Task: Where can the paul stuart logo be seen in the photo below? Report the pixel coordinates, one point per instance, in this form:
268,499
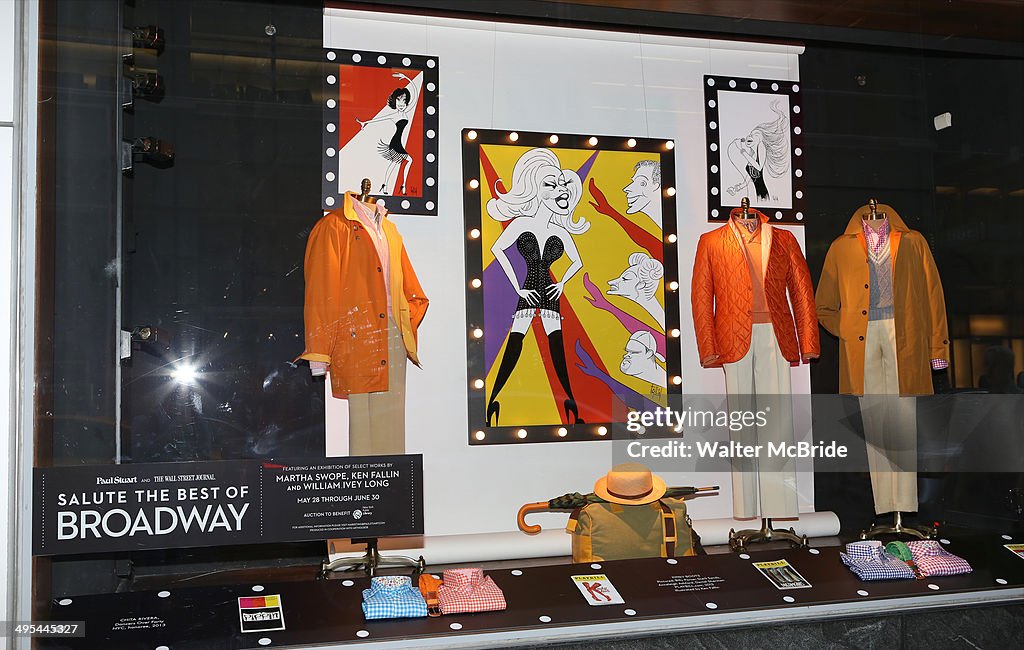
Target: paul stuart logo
116,480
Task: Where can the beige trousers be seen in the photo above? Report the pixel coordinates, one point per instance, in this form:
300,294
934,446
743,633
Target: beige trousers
376,421
890,423
760,381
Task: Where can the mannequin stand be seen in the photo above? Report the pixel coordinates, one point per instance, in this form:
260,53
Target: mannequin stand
897,528
370,562
739,540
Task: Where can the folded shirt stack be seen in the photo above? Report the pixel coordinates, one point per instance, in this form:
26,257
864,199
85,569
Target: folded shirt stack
933,560
869,561
469,590
393,597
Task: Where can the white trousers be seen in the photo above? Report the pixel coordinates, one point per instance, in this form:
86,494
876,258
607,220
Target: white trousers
760,381
890,423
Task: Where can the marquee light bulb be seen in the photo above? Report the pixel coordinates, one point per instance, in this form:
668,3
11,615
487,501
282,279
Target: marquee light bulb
471,136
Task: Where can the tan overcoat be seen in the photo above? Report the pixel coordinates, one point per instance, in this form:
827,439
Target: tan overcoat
843,297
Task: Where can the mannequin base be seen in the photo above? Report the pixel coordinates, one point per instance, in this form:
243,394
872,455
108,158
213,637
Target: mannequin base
898,528
370,562
738,541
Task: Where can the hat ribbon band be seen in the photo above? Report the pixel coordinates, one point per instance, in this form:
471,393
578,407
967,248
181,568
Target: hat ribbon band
631,496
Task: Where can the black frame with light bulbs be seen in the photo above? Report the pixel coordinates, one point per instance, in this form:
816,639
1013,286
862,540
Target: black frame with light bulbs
472,139
713,85
332,194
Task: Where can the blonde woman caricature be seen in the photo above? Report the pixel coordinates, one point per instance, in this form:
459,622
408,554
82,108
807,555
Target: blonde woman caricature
764,152
539,209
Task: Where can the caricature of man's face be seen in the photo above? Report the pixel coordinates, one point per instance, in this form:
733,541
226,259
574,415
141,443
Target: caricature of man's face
641,190
636,360
627,285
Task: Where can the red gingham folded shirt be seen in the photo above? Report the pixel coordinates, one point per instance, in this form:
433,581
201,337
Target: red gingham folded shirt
933,560
469,590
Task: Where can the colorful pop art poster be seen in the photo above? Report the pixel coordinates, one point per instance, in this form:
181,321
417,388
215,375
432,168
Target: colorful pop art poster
571,279
380,123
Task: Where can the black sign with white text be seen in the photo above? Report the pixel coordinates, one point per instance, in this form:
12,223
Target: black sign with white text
86,509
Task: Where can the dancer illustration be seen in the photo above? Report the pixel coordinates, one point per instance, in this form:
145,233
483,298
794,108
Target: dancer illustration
402,103
763,151
539,207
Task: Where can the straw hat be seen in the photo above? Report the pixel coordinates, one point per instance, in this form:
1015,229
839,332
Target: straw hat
630,484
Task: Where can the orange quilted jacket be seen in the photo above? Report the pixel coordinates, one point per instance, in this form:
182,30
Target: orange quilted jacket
721,296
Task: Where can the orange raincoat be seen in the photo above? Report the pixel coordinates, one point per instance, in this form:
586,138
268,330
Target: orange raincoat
346,301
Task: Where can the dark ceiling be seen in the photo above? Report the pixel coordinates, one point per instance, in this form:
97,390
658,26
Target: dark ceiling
1001,20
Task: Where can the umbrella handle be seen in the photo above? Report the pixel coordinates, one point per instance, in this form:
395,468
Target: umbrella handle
530,529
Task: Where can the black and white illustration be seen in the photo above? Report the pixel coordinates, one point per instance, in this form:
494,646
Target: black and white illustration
755,151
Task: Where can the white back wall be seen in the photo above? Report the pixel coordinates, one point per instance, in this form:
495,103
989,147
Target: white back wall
559,80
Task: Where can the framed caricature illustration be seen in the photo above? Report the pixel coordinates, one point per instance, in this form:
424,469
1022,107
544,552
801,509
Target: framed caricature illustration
754,147
380,123
572,294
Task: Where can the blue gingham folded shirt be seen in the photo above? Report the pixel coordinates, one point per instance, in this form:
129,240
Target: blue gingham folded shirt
869,561
393,597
